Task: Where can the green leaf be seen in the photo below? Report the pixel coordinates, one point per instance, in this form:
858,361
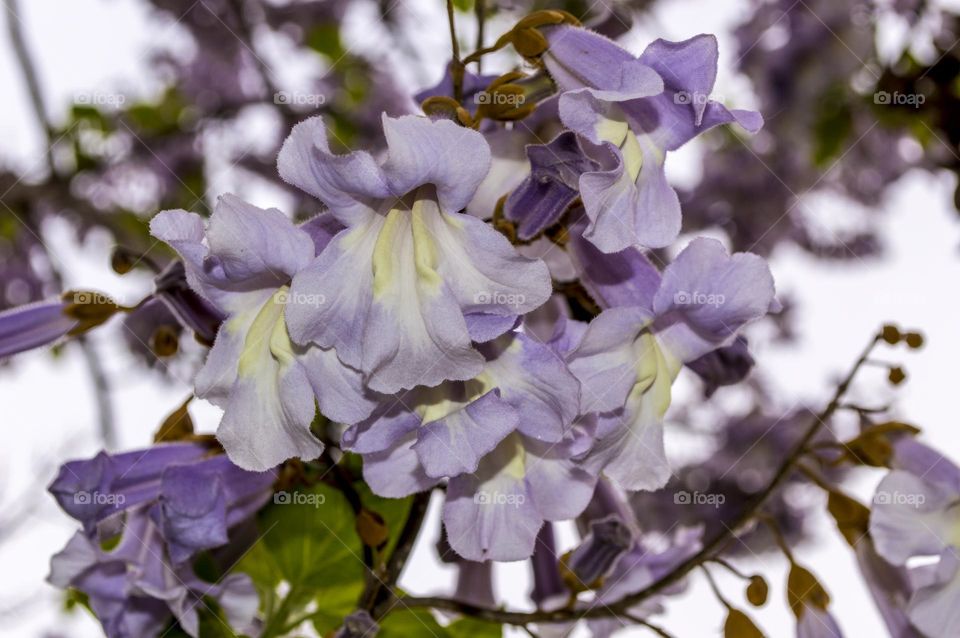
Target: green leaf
411,622
463,5
333,605
325,39
393,510
309,544
474,628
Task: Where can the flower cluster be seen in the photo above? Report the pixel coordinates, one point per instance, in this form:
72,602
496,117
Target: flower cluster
439,343
492,298
145,516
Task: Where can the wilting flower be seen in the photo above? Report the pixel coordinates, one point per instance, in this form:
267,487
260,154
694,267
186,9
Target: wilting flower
243,262
37,324
636,110
629,355
155,510
915,514
411,282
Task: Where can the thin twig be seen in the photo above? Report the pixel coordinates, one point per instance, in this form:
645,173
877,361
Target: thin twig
480,10
378,591
30,78
712,547
456,65
29,72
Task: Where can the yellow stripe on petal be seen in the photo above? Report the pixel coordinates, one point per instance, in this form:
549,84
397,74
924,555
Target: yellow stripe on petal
383,257
656,371
424,249
516,467
632,156
259,338
612,130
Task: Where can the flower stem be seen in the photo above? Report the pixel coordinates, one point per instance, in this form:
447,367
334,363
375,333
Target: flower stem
456,65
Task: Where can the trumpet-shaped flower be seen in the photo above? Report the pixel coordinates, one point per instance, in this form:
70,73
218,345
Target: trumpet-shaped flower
242,262
155,509
629,356
636,110
504,440
411,282
26,327
915,515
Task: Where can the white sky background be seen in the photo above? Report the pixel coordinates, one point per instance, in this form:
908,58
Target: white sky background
84,46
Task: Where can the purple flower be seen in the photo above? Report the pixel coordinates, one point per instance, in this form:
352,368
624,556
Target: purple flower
915,514
890,587
539,201
815,622
549,591
635,110
504,439
189,308
647,561
629,355
496,512
163,505
609,539
37,324
411,282
134,591
242,263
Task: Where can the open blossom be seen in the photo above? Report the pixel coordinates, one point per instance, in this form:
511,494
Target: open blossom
411,282
242,262
158,508
504,439
629,356
915,515
636,110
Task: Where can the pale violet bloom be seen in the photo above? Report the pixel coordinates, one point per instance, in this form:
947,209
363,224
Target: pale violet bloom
629,356
815,622
635,110
242,261
496,512
146,515
504,439
916,513
411,283
33,325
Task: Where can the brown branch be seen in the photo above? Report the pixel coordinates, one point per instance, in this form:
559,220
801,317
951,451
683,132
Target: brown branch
29,71
378,591
712,547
